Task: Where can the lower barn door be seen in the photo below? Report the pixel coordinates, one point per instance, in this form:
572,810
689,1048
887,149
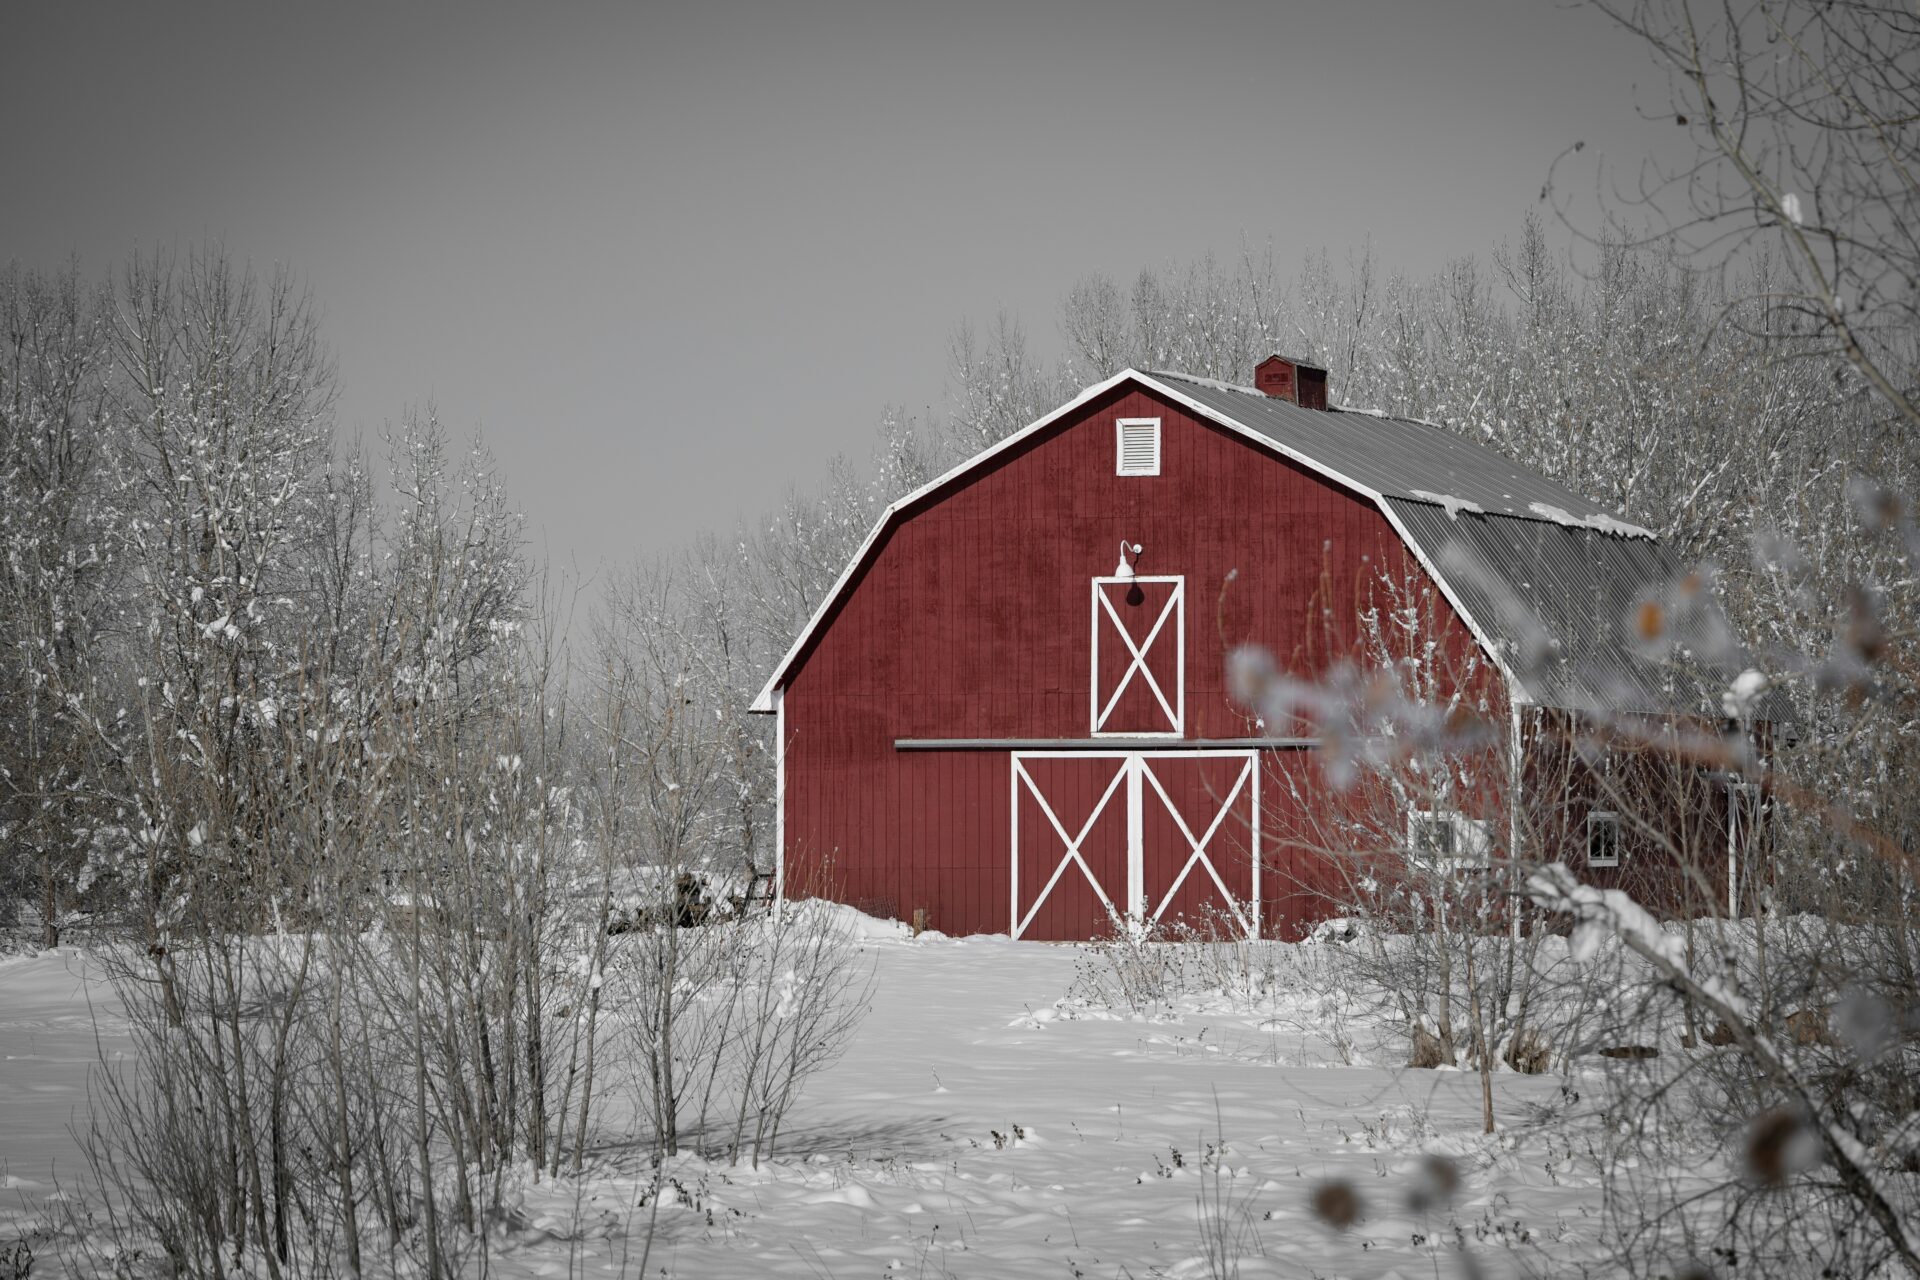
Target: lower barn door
1070,825
1199,842
1137,839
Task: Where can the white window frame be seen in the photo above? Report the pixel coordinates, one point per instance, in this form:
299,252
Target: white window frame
1470,840
1176,605
1612,818
1120,467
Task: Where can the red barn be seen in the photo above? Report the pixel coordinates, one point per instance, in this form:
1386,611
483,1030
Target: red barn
1012,711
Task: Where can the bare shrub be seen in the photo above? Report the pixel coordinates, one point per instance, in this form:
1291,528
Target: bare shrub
725,1023
1148,971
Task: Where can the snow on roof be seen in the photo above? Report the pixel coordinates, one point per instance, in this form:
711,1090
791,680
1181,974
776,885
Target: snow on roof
1367,411
1604,523
1454,506
1213,383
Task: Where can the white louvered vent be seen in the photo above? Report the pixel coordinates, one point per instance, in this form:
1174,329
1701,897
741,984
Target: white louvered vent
1139,447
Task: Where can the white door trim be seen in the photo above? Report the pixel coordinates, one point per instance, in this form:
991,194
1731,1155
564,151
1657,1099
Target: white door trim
779,801
1175,608
1136,770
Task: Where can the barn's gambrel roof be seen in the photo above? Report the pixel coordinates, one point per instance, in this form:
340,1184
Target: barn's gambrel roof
1548,582
1396,457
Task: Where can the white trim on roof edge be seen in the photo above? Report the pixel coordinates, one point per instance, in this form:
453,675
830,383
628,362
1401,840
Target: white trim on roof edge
764,704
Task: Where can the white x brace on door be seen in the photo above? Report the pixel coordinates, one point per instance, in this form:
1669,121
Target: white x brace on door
1139,668
1105,837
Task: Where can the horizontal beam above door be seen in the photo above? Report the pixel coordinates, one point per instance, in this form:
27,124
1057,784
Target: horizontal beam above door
1103,744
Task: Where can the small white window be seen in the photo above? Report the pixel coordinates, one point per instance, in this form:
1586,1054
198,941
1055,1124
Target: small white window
1603,838
1139,447
1446,838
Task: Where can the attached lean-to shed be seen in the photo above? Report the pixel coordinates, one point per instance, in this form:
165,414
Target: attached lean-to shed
1011,712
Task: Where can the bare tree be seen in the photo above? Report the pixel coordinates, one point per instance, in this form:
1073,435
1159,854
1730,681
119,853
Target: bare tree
58,570
997,386
1804,119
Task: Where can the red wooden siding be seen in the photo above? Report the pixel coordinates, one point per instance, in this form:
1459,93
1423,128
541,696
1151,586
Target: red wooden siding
1674,842
973,619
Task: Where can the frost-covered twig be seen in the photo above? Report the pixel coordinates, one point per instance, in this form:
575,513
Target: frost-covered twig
1601,913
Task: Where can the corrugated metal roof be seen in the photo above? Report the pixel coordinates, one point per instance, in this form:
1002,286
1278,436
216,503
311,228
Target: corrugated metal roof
1394,457
1564,603
1561,601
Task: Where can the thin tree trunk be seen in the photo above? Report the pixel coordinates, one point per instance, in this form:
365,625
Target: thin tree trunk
343,1129
1443,964
422,1144
1484,1049
49,903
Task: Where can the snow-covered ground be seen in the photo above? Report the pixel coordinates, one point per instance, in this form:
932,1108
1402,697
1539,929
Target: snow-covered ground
52,1006
976,1128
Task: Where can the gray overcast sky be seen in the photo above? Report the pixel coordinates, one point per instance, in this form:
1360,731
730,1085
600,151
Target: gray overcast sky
668,259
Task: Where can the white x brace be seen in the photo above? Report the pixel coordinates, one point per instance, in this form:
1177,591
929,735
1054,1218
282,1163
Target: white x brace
1136,771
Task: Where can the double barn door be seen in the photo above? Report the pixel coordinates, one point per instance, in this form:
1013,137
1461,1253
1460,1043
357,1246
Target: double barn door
1133,839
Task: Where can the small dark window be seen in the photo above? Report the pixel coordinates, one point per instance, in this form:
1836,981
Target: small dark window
1431,836
1447,838
1603,838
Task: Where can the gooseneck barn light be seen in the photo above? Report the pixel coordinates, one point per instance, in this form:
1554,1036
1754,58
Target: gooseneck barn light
1135,596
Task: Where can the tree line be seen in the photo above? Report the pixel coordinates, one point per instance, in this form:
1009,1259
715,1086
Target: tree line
261,682
202,580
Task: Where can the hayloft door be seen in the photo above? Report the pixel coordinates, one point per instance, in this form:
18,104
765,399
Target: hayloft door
1139,686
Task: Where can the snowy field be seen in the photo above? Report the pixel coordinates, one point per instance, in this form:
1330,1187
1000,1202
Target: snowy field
978,1128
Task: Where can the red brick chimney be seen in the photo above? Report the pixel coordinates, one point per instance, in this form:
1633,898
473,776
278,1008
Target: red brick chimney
1295,381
